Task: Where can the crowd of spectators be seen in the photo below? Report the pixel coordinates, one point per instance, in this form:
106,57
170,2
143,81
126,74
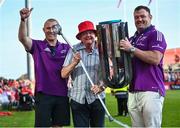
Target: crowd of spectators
14,92
172,75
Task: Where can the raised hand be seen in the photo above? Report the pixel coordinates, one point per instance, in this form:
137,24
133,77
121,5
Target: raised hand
25,13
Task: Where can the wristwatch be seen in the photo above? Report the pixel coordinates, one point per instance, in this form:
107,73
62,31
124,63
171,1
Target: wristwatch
132,49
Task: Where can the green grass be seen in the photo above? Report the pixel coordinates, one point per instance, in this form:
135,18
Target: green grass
18,119
171,113
171,110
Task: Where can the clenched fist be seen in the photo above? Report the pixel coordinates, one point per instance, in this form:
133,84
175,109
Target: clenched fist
25,13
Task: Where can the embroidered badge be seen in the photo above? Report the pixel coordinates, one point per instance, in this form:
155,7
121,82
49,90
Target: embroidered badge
47,50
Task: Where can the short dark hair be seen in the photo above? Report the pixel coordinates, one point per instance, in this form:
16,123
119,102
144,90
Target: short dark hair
51,20
142,7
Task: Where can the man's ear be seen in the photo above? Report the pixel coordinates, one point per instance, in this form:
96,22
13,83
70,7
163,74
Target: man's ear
150,16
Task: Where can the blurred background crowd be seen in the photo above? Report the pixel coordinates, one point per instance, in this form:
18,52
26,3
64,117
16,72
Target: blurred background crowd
16,94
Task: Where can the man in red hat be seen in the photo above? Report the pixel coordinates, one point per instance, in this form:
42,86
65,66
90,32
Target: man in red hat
87,110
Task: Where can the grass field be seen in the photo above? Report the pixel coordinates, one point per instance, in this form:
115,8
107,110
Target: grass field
171,113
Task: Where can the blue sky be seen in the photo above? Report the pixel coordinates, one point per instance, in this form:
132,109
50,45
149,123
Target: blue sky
166,17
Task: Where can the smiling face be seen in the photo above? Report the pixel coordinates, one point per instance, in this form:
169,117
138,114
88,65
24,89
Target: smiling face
142,19
88,38
48,30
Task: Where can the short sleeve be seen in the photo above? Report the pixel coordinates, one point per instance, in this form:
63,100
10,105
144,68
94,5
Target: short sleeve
68,58
157,42
33,47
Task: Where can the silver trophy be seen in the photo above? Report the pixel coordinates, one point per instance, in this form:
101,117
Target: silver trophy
116,63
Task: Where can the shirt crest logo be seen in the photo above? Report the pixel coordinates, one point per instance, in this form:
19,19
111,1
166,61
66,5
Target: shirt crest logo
47,50
63,51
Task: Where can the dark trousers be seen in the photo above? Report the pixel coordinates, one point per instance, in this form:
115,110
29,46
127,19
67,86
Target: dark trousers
88,115
122,103
51,110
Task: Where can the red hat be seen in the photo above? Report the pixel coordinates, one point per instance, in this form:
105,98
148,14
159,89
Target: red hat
85,26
